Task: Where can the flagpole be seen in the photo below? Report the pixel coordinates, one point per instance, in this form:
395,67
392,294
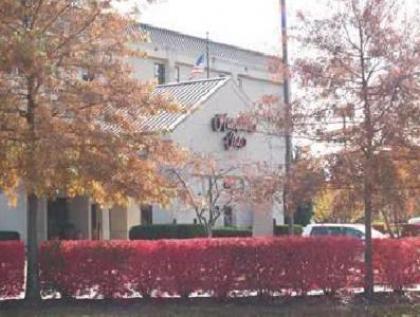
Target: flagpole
208,55
286,94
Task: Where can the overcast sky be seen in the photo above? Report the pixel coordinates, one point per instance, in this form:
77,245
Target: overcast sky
253,24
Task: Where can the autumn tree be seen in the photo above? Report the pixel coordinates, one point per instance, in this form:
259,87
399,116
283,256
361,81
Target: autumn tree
396,194
306,174
363,65
68,110
207,186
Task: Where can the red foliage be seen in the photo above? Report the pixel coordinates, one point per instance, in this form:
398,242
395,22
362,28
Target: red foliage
397,263
220,267
12,263
78,268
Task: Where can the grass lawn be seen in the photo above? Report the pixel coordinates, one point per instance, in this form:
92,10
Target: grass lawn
208,308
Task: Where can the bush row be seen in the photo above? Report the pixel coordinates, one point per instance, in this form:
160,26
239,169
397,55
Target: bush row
283,230
189,231
221,267
12,259
218,267
166,231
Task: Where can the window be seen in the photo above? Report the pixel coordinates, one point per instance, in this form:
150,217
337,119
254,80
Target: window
58,220
239,81
177,74
160,73
336,231
351,232
227,216
146,214
319,231
96,222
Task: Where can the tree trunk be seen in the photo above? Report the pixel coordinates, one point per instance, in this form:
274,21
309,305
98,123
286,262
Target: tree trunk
209,232
292,224
369,281
368,172
387,224
32,277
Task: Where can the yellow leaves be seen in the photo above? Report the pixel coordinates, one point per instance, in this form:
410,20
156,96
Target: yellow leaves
72,150
98,192
324,206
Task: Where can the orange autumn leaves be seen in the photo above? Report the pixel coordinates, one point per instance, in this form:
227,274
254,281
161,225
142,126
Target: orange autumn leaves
62,134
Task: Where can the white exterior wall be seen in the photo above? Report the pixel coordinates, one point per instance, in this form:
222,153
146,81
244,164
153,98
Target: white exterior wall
118,223
133,214
256,80
196,134
13,218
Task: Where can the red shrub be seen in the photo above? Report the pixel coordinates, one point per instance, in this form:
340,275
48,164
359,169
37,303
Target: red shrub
397,262
221,267
12,263
77,268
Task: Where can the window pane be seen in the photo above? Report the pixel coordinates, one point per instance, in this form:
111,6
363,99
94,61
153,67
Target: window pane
353,233
160,73
228,216
177,73
336,231
146,216
319,231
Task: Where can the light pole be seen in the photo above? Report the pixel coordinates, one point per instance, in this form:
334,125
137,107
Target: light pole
286,95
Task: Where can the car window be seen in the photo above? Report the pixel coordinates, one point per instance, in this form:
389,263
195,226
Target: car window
319,231
351,232
336,231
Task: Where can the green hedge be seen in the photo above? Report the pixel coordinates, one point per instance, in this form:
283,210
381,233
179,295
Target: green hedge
189,231
183,231
9,235
232,232
166,231
283,230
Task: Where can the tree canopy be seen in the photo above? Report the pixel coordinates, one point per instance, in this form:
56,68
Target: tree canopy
69,105
70,110
359,94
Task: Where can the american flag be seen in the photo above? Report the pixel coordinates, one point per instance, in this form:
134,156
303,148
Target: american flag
199,66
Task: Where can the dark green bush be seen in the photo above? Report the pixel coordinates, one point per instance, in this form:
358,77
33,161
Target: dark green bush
166,231
9,235
283,230
232,232
183,231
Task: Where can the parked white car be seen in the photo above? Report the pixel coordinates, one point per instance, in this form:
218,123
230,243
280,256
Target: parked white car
414,221
334,229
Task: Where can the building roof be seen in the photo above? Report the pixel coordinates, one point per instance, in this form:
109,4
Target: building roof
189,95
196,45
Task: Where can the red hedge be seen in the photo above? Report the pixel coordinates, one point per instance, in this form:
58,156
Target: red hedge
12,263
219,267
397,263
222,267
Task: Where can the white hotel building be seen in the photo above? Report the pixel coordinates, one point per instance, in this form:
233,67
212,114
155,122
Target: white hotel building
238,78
